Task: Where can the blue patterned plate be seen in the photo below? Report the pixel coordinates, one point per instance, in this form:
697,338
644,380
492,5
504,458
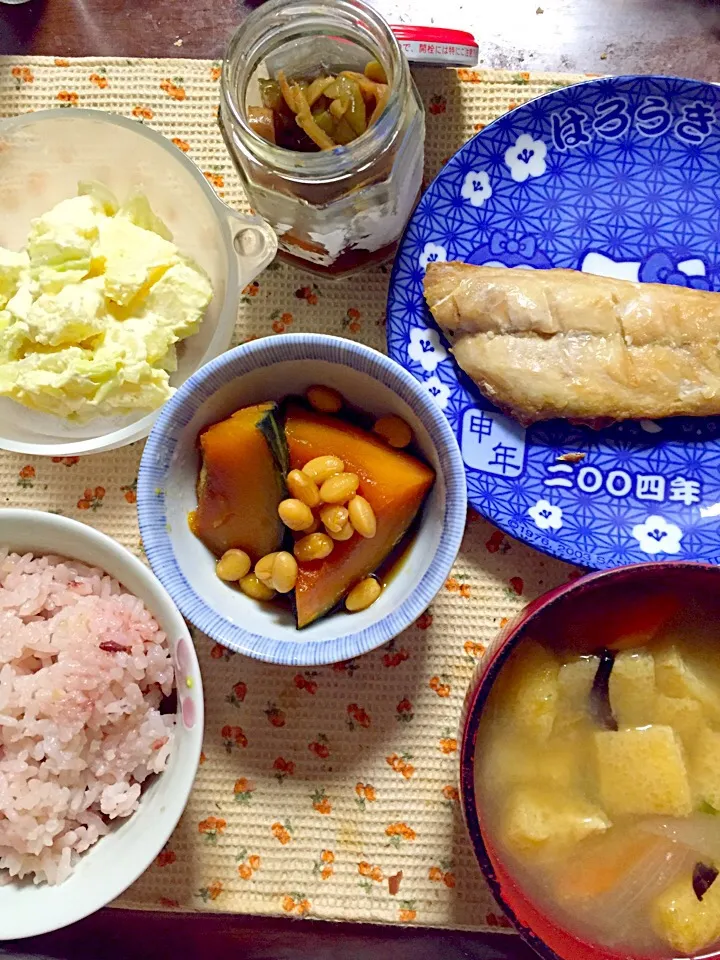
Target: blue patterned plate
619,177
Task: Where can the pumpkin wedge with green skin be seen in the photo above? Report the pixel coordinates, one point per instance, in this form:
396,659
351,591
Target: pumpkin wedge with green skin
241,483
393,482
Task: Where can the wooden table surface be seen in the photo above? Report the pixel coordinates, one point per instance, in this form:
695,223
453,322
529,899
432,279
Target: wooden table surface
678,37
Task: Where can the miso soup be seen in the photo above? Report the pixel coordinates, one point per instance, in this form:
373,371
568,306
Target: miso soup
598,770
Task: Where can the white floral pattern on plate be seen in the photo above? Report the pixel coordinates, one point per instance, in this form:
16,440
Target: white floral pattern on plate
438,391
432,253
546,516
526,159
426,349
656,535
476,187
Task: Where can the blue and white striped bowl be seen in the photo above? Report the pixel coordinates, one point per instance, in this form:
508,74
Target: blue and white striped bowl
270,369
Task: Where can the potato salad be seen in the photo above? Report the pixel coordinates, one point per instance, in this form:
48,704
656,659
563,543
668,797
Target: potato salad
92,309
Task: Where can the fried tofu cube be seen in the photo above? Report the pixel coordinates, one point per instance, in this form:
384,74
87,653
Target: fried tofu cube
681,713
642,771
676,678
527,691
575,680
686,923
705,767
509,761
539,819
632,688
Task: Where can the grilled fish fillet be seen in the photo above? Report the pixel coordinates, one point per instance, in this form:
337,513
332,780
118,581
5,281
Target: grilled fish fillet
559,343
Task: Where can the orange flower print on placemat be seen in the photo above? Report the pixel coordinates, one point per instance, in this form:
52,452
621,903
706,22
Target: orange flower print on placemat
211,828
438,104
351,320
99,79
282,832
454,585
440,685
233,737
404,711
129,491
281,320
22,75
243,790
66,461
237,694
365,793
473,650
67,98
219,652
249,291
497,920
442,874
469,76
400,764
320,747
174,88
142,113
211,892
369,874
283,768
305,682
496,543
26,476
447,743
169,902
247,865
407,912
323,866
516,586
181,144
424,621
92,498
216,179
61,62
166,857
394,657
216,70
320,801
357,716
450,794
296,903
276,717
398,833
308,294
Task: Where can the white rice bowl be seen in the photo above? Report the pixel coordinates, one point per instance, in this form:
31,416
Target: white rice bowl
94,770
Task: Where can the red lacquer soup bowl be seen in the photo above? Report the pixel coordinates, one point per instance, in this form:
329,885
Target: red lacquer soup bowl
586,608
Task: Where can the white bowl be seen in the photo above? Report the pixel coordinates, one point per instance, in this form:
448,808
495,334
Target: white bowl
118,859
43,155
270,369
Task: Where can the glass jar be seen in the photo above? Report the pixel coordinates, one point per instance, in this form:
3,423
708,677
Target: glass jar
335,210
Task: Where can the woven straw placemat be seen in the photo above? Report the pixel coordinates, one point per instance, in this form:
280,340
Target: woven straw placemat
316,786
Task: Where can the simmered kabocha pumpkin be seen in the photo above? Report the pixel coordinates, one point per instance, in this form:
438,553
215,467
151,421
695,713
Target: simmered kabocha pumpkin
393,482
241,483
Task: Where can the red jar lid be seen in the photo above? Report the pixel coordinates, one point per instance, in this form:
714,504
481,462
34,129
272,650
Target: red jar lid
433,45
